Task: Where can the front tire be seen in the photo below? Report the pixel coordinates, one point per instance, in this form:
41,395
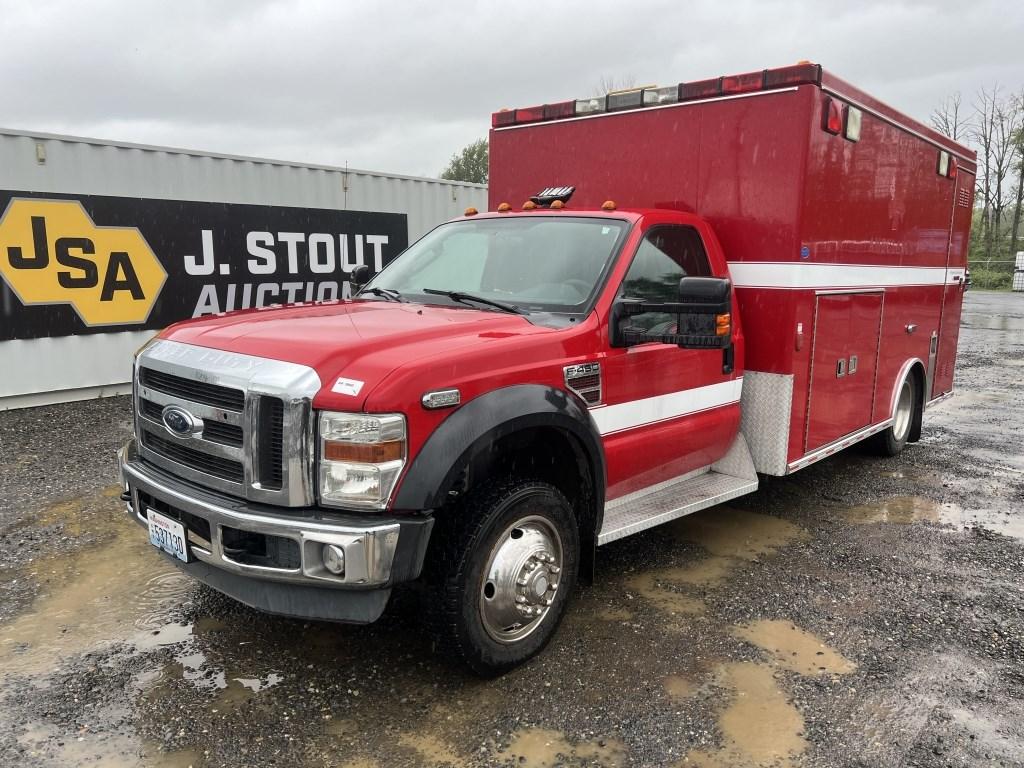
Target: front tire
501,574
893,440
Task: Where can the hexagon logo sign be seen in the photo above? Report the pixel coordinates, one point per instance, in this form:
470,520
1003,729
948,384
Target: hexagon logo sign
51,252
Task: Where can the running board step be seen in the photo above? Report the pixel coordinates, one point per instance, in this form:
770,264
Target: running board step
677,498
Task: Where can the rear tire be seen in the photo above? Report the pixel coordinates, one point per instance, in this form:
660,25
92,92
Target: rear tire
501,574
893,440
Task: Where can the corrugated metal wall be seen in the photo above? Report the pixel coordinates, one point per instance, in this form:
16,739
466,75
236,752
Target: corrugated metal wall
69,368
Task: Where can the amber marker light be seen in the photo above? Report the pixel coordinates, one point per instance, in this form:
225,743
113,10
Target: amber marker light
363,453
558,205
608,205
504,208
529,205
723,324
471,212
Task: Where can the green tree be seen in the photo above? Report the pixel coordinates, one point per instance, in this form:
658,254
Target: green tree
469,164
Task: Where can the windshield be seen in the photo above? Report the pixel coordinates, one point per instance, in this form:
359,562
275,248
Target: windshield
537,263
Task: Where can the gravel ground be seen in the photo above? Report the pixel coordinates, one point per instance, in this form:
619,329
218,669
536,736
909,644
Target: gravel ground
863,612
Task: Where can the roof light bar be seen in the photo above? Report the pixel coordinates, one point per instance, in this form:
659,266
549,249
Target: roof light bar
802,73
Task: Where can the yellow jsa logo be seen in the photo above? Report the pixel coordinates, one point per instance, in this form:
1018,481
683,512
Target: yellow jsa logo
51,252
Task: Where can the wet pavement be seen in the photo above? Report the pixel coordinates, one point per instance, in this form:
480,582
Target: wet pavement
863,612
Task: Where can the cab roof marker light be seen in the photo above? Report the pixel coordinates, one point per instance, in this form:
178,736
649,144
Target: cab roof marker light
851,123
664,95
700,89
750,81
799,74
831,116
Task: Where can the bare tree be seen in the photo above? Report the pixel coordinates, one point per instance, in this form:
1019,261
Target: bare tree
948,118
608,83
1018,153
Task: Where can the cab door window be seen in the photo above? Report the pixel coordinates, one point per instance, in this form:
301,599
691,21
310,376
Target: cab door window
665,255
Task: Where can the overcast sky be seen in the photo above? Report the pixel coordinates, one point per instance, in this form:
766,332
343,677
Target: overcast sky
399,86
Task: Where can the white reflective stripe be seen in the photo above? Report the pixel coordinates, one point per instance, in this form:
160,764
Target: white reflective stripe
802,276
650,410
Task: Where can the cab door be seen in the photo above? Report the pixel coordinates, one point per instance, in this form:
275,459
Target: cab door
667,411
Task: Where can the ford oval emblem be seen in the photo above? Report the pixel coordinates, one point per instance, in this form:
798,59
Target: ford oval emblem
180,422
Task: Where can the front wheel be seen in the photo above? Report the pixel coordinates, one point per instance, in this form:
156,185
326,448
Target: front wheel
893,439
502,571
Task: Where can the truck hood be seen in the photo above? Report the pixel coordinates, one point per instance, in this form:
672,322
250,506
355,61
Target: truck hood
357,341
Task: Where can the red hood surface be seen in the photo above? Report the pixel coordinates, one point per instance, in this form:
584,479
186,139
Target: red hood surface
362,341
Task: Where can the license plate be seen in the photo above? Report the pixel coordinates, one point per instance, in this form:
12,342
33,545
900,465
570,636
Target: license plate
167,534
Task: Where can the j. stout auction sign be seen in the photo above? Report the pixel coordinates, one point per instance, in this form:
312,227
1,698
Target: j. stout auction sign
76,264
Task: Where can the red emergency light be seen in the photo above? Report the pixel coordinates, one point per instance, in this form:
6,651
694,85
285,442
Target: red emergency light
804,73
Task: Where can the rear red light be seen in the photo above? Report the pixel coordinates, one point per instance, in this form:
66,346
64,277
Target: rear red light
561,109
503,118
797,74
831,116
751,81
700,89
530,114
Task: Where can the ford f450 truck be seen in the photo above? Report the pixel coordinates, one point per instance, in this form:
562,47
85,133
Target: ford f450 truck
674,291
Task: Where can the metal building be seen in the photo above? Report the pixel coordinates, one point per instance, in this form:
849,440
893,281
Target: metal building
57,351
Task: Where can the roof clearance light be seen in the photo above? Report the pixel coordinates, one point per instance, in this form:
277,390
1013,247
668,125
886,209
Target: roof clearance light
529,205
561,109
557,205
590,106
943,168
851,128
665,95
798,74
608,205
504,208
700,89
751,81
503,118
831,116
625,100
471,211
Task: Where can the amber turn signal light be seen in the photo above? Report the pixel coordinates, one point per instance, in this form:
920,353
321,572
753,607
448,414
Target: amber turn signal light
723,324
363,453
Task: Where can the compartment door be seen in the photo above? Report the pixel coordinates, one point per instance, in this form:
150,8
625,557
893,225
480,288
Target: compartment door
843,365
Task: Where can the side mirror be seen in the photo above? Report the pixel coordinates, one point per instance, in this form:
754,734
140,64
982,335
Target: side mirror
360,276
700,319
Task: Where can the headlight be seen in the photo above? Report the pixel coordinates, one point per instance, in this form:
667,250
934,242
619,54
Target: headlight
361,457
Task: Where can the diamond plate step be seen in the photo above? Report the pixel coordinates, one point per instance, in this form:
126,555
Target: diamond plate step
691,493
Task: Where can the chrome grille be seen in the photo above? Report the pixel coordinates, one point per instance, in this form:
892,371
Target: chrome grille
255,438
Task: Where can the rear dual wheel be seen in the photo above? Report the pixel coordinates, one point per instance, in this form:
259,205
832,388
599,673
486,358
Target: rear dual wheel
501,573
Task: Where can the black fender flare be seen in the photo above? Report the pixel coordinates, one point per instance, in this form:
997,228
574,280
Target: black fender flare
481,421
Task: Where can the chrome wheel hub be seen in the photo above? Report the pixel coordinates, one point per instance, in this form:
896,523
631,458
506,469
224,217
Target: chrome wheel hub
904,410
520,579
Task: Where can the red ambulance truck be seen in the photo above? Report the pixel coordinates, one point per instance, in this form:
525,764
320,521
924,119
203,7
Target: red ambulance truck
675,290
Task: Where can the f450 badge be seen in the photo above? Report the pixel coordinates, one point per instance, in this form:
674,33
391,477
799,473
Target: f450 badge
51,252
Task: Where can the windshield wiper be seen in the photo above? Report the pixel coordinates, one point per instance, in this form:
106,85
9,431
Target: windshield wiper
465,298
388,293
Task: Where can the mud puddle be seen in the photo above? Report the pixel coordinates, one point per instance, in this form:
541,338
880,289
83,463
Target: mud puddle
103,751
544,748
731,537
905,510
759,725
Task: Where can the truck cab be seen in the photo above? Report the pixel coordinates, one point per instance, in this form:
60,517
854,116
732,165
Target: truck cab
526,384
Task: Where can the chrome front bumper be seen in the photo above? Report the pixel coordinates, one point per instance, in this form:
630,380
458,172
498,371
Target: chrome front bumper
377,551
